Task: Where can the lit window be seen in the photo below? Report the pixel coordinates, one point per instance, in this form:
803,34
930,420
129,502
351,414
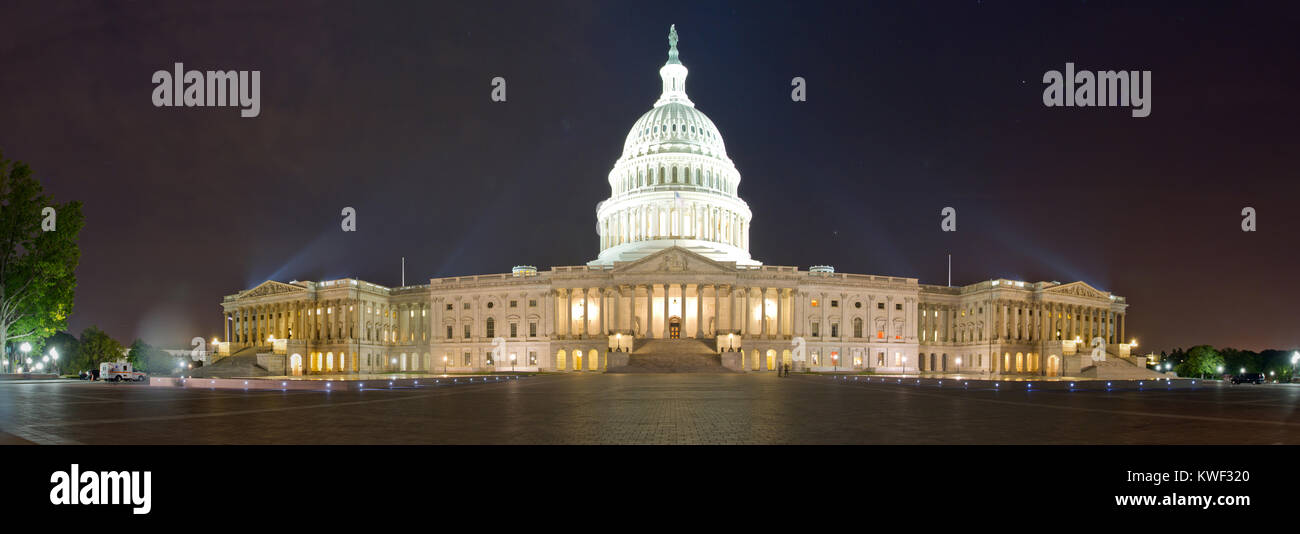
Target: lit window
813,303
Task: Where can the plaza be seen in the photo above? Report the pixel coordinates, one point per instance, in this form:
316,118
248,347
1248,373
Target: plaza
589,408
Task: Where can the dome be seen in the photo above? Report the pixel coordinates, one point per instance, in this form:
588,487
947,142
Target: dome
674,127
674,185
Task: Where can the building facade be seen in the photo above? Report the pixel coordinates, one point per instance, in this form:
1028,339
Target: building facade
674,263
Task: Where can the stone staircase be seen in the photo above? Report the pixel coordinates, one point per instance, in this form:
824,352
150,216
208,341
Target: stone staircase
1118,369
671,356
238,365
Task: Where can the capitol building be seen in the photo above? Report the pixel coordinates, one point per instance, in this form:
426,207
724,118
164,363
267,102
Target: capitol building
674,282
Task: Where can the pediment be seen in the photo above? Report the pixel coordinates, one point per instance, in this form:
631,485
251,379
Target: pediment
271,287
675,260
1078,289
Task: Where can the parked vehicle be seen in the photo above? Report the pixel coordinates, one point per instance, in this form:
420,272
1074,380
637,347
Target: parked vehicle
90,374
1250,378
120,371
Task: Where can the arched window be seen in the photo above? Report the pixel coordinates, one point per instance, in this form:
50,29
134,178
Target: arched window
857,327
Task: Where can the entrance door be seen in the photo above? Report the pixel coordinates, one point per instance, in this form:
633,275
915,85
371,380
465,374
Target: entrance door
675,329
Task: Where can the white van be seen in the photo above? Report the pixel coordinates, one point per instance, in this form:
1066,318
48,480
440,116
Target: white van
119,371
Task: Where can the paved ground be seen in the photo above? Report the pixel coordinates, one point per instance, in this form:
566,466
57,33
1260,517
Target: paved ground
645,409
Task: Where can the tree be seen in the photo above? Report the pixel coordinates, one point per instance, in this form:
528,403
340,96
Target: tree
37,262
145,357
96,347
1201,360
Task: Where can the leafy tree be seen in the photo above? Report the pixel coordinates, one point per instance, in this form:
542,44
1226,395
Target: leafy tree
1201,360
96,347
152,360
37,267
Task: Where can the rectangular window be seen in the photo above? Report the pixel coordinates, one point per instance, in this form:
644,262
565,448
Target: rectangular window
835,303
449,334
466,331
898,306
880,305
532,303
816,332
465,306
449,307
514,304
835,330
532,329
514,330
880,334
532,358
491,328
487,357
857,329
468,358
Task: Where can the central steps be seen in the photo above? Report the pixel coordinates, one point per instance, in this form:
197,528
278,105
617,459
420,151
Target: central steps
671,356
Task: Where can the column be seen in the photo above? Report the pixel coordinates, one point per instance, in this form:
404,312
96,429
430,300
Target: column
744,314
762,313
600,311
586,294
731,308
780,313
699,310
716,316
649,310
1123,333
665,318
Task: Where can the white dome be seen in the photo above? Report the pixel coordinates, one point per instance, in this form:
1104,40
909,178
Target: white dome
674,185
674,127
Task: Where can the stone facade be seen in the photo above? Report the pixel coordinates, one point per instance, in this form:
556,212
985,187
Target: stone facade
674,262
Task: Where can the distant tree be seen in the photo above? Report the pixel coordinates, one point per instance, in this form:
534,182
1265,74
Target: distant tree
1201,360
66,344
96,347
37,277
150,359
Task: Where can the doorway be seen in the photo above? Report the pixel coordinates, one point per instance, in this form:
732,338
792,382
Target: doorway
675,328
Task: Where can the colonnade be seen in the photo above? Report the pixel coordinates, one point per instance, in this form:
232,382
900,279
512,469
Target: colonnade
668,220
328,320
1012,321
632,308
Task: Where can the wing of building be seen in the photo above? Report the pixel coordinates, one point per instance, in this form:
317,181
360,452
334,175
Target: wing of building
674,275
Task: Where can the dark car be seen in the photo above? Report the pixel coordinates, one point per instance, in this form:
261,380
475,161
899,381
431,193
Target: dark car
92,374
1250,378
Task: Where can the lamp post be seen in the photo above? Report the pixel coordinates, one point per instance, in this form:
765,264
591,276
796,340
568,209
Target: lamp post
54,355
512,363
25,348
1295,358
444,365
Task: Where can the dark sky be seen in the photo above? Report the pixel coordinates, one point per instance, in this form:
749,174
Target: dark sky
912,106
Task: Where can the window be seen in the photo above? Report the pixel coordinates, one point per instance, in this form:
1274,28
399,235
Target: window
468,358
514,304
491,326
835,329
532,358
880,305
466,331
532,303
514,330
857,326
835,303
532,329
857,305
490,304
465,306
814,303
816,331
449,307
449,334
880,334
898,306
487,358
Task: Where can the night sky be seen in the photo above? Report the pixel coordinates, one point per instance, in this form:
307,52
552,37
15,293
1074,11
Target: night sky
912,106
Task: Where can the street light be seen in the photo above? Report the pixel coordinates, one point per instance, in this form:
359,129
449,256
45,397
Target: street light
444,365
26,348
512,363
